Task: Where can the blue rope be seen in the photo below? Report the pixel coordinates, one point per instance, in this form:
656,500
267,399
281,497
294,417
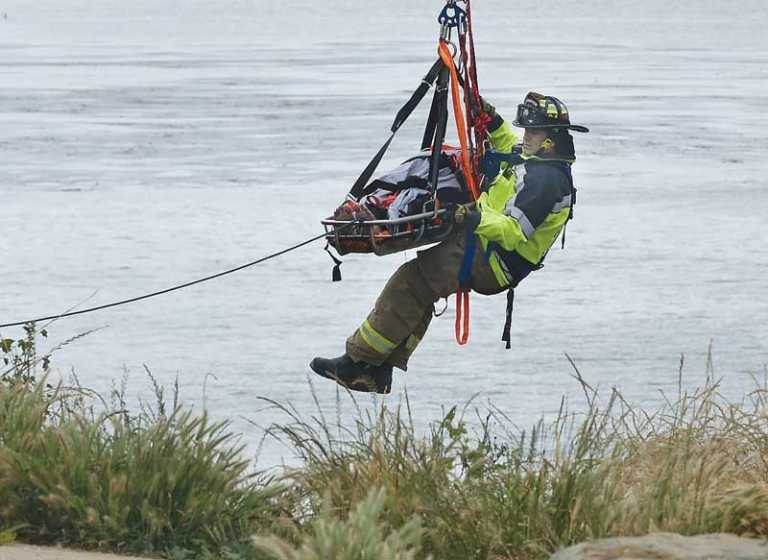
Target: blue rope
465,272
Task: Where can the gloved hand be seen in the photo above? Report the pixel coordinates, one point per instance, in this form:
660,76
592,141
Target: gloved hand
486,107
464,215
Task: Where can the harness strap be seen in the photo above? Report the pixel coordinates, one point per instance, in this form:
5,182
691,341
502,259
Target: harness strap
470,93
562,237
437,127
458,113
462,295
465,272
438,100
336,274
402,115
505,336
570,210
462,319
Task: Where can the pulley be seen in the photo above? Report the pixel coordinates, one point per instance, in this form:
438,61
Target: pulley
451,16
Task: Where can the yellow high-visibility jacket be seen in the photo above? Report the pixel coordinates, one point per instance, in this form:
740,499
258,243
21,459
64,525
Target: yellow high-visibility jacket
524,208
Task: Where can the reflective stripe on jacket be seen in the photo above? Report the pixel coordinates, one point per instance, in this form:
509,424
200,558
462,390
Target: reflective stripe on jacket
523,210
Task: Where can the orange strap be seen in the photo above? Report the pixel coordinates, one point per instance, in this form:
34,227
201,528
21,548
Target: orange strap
461,326
462,297
466,166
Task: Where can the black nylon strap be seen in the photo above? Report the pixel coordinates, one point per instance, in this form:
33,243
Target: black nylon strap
506,335
357,189
429,129
336,273
441,94
426,82
402,115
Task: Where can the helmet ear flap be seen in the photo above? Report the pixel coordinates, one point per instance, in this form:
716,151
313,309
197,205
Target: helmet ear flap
547,143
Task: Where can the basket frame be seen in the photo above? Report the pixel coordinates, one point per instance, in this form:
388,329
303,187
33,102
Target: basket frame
427,233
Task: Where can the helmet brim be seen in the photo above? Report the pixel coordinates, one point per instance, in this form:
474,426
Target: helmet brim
574,127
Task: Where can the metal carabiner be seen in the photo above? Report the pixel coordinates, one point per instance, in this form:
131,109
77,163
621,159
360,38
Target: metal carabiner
454,49
451,46
445,33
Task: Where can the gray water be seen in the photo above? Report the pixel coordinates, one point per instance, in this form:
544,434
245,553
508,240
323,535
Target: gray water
144,144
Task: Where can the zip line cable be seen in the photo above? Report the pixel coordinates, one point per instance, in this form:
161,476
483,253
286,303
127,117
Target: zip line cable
174,288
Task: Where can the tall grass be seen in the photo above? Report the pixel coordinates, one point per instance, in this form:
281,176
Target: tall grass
696,465
78,470
122,482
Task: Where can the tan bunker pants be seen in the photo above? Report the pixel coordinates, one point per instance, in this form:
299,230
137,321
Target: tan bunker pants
404,308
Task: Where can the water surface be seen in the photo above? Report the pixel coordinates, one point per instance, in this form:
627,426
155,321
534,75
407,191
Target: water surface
145,144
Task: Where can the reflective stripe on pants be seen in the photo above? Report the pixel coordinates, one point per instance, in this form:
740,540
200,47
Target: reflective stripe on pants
378,342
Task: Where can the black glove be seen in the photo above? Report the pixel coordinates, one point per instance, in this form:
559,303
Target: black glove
486,107
470,218
473,220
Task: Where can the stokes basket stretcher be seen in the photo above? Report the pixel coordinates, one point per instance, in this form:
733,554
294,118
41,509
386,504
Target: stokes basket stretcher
401,209
366,222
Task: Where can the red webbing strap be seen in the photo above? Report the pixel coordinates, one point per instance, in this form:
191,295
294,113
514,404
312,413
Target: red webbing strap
462,319
469,99
478,122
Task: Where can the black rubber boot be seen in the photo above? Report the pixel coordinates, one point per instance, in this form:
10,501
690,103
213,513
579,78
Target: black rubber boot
356,376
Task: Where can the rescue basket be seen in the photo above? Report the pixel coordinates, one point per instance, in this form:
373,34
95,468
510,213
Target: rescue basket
401,209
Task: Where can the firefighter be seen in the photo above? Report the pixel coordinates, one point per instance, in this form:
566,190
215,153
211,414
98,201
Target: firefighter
516,220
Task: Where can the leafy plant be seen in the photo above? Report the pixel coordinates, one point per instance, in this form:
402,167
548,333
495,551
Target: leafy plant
20,359
363,535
